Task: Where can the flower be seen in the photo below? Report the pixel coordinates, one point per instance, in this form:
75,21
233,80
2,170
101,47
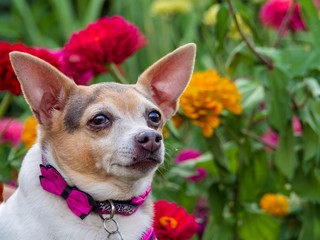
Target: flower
273,13
296,124
210,16
170,7
189,155
201,214
29,133
108,40
271,138
207,95
10,131
8,79
172,222
275,204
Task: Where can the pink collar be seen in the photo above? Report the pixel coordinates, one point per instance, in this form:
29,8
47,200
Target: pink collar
82,204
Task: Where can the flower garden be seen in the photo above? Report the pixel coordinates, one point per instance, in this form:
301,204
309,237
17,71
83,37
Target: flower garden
242,152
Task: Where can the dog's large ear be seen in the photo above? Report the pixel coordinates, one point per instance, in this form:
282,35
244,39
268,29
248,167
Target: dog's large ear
44,87
166,79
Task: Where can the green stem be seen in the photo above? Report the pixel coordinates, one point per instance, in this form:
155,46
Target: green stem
264,59
258,139
114,72
5,103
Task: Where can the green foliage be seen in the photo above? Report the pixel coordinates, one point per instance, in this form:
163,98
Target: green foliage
241,167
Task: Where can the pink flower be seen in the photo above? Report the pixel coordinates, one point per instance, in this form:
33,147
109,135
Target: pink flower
10,131
272,138
296,124
189,155
108,40
273,13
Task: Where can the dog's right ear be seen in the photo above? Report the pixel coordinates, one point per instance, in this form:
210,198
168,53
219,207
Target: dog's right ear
44,87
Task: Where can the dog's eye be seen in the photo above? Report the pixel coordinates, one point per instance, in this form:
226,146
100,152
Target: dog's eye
99,121
154,117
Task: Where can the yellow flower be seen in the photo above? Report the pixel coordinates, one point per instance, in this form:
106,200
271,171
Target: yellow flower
168,222
207,95
170,7
29,133
234,32
210,16
275,204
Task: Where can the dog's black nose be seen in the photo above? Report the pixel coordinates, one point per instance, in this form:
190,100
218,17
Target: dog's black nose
149,140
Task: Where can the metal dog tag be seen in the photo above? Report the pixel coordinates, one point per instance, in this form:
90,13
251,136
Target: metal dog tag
111,230
114,231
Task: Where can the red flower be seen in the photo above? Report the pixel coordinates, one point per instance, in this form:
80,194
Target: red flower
172,222
8,79
108,40
273,14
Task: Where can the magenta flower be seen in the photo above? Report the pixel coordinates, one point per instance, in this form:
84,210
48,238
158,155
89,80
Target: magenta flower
273,13
272,138
108,40
10,131
296,124
189,155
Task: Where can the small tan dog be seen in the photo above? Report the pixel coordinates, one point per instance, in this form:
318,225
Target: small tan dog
98,149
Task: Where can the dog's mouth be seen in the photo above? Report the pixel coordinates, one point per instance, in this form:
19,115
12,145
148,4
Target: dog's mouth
143,164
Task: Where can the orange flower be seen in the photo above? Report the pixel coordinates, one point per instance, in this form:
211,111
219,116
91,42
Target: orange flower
29,133
275,204
207,95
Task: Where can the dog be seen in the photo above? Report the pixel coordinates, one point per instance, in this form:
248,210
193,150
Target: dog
89,174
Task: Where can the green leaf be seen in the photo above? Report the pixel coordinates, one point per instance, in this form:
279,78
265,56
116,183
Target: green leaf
312,87
217,201
93,12
311,146
252,93
285,158
289,59
215,146
307,186
218,231
258,226
310,114
222,26
253,177
65,16
28,19
311,16
311,223
278,99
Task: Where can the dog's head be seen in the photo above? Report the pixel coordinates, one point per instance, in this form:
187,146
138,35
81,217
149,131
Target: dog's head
104,132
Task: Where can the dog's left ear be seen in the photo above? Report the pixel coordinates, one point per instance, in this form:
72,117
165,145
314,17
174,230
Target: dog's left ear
166,79
44,87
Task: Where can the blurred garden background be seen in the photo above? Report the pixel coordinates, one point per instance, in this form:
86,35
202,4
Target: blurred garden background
243,151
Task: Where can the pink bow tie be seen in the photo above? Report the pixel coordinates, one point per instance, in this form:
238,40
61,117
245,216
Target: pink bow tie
81,203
